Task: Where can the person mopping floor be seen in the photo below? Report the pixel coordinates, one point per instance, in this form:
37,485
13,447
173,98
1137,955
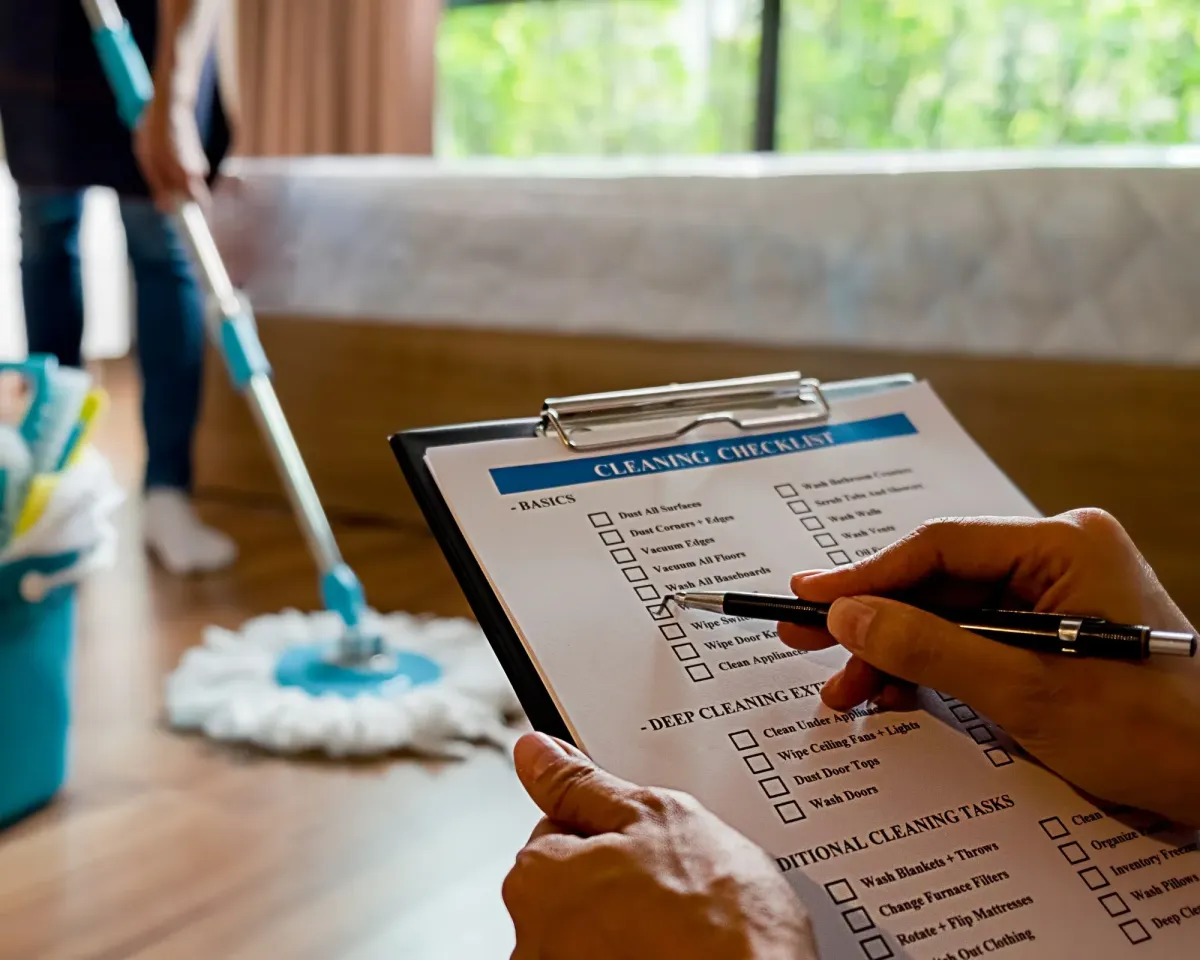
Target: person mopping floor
345,680
62,134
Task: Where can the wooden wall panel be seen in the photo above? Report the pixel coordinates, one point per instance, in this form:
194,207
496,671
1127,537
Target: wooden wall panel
1126,438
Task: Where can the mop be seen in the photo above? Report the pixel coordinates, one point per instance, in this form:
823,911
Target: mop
345,681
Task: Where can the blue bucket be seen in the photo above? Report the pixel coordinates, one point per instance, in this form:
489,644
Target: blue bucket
35,680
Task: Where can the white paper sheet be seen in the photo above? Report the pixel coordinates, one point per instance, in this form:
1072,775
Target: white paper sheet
923,835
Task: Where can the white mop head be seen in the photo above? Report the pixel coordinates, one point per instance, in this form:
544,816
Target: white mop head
226,689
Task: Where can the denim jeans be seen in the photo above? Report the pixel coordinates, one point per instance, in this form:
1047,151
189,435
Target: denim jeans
170,315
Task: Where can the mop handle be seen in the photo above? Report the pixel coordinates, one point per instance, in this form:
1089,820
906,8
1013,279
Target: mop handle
231,326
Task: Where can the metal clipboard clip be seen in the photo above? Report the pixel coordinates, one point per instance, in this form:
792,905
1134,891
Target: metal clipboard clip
599,421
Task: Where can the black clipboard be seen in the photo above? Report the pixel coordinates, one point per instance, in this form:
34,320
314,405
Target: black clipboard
595,422
409,448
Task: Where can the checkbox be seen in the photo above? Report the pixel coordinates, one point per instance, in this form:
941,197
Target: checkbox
659,611
1073,852
672,631
611,537
757,762
600,519
1094,878
825,540
685,651
840,891
789,811
876,948
799,506
634,574
699,671
857,919
812,523
785,490
963,713
773,787
1113,903
981,733
999,756
1134,931
623,555
648,592
1054,828
838,557
743,740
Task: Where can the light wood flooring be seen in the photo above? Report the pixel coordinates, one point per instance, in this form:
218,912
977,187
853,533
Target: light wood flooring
164,847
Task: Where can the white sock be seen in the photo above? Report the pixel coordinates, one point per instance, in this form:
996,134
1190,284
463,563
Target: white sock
179,539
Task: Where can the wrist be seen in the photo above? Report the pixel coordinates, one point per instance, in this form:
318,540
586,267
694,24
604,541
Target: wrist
174,85
1173,777
185,34
1182,804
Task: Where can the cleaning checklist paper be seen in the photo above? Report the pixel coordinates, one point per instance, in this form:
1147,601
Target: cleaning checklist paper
924,834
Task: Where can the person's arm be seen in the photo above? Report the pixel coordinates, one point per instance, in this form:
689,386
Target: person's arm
167,142
621,870
1123,732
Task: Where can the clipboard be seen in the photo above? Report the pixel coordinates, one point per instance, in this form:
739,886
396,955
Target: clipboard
600,421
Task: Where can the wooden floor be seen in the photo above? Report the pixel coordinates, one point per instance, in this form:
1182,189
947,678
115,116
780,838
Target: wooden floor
171,848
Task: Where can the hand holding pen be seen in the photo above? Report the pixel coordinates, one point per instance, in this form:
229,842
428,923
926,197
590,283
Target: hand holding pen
1123,731
1066,634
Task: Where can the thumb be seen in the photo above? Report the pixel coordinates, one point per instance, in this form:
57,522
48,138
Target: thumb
927,650
571,790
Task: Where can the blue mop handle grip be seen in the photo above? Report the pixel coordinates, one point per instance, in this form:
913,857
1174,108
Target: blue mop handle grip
125,69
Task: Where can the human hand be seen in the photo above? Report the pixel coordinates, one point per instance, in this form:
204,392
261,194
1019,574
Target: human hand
1121,731
617,870
170,153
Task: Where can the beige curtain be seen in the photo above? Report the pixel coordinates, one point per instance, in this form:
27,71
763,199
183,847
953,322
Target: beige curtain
335,76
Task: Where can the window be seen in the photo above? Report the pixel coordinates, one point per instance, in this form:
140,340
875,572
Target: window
681,76
987,73
597,77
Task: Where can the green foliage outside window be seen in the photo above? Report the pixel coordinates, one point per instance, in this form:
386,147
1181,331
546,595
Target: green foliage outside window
678,76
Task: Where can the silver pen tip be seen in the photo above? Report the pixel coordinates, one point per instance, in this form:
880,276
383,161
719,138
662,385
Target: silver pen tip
1168,643
699,600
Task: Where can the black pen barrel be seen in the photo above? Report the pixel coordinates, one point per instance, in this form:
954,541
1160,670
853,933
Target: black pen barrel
1054,633
761,606
1042,632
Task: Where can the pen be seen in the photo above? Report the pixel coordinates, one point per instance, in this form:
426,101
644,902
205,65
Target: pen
1043,632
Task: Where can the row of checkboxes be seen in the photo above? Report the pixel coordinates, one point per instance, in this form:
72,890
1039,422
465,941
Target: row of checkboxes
812,523
687,651
771,784
856,916
979,731
1094,879
649,594
858,919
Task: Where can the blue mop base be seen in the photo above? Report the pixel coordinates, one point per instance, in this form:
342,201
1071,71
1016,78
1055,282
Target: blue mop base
309,668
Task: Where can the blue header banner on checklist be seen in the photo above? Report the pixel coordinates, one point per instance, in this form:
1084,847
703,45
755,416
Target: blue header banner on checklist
689,456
